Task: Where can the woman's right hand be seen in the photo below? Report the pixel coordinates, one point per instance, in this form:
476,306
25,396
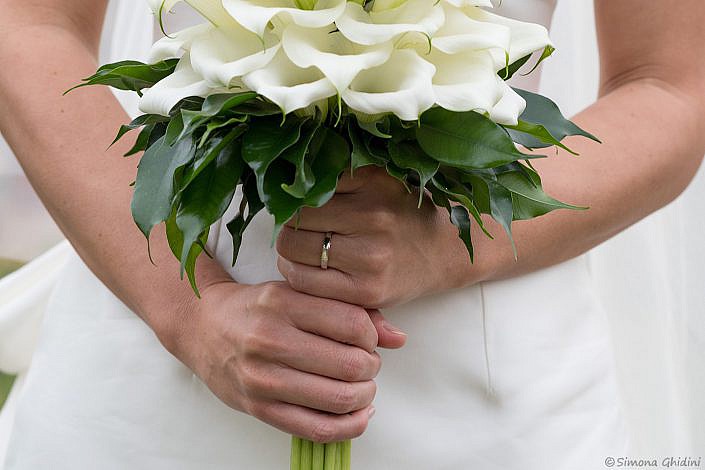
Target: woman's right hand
300,363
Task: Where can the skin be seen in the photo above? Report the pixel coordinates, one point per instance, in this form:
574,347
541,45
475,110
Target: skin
245,341
651,84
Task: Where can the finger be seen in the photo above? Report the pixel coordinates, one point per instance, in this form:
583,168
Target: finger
390,337
325,283
341,214
361,179
313,425
338,321
305,247
313,391
322,356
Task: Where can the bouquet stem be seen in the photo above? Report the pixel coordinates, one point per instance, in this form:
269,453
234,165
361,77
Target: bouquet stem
307,455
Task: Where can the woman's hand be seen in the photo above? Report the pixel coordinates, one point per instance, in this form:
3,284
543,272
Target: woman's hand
385,250
302,364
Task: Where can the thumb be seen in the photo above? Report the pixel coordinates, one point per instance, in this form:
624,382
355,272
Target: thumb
390,337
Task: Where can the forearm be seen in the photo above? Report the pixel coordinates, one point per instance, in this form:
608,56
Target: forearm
653,142
60,141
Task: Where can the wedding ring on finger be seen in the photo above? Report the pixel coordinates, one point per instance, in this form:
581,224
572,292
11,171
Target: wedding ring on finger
326,248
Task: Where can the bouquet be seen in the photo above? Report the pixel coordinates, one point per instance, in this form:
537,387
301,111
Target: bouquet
282,96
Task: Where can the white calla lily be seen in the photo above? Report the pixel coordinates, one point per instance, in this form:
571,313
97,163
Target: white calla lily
212,10
509,107
170,47
470,3
402,86
338,58
460,33
289,86
466,81
375,27
525,37
255,15
166,93
222,55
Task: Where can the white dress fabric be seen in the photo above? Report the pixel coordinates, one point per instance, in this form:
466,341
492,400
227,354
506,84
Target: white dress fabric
516,374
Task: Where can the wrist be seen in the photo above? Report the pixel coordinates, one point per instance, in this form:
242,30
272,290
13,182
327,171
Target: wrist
177,322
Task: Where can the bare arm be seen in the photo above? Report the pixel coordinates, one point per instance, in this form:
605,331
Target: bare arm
243,341
651,117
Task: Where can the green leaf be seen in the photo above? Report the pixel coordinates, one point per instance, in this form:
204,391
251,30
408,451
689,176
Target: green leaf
361,156
130,75
330,159
221,102
508,72
155,184
379,128
175,238
529,200
544,112
139,121
297,155
547,52
526,133
459,193
213,149
207,197
217,124
466,140
250,206
409,155
265,140
461,219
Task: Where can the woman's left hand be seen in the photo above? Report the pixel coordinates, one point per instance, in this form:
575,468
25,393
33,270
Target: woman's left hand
384,251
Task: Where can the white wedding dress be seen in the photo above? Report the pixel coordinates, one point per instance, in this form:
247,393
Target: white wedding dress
516,374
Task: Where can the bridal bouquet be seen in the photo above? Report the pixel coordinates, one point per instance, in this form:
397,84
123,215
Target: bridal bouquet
282,96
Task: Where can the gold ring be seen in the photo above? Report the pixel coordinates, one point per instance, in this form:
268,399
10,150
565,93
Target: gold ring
326,247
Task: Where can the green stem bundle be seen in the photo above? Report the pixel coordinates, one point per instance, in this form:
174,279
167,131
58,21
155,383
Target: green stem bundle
307,455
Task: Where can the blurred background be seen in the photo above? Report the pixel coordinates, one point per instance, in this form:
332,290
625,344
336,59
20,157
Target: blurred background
649,277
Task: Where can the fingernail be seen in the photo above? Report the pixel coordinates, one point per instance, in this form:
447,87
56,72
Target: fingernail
393,329
371,411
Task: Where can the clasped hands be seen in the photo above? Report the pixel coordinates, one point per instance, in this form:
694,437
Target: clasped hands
300,355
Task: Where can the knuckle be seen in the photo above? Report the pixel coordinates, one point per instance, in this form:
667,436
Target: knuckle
345,400
372,294
351,367
380,218
379,258
259,410
269,296
322,432
359,325
296,280
359,428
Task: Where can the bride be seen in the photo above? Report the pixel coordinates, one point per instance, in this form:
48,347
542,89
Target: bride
497,365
